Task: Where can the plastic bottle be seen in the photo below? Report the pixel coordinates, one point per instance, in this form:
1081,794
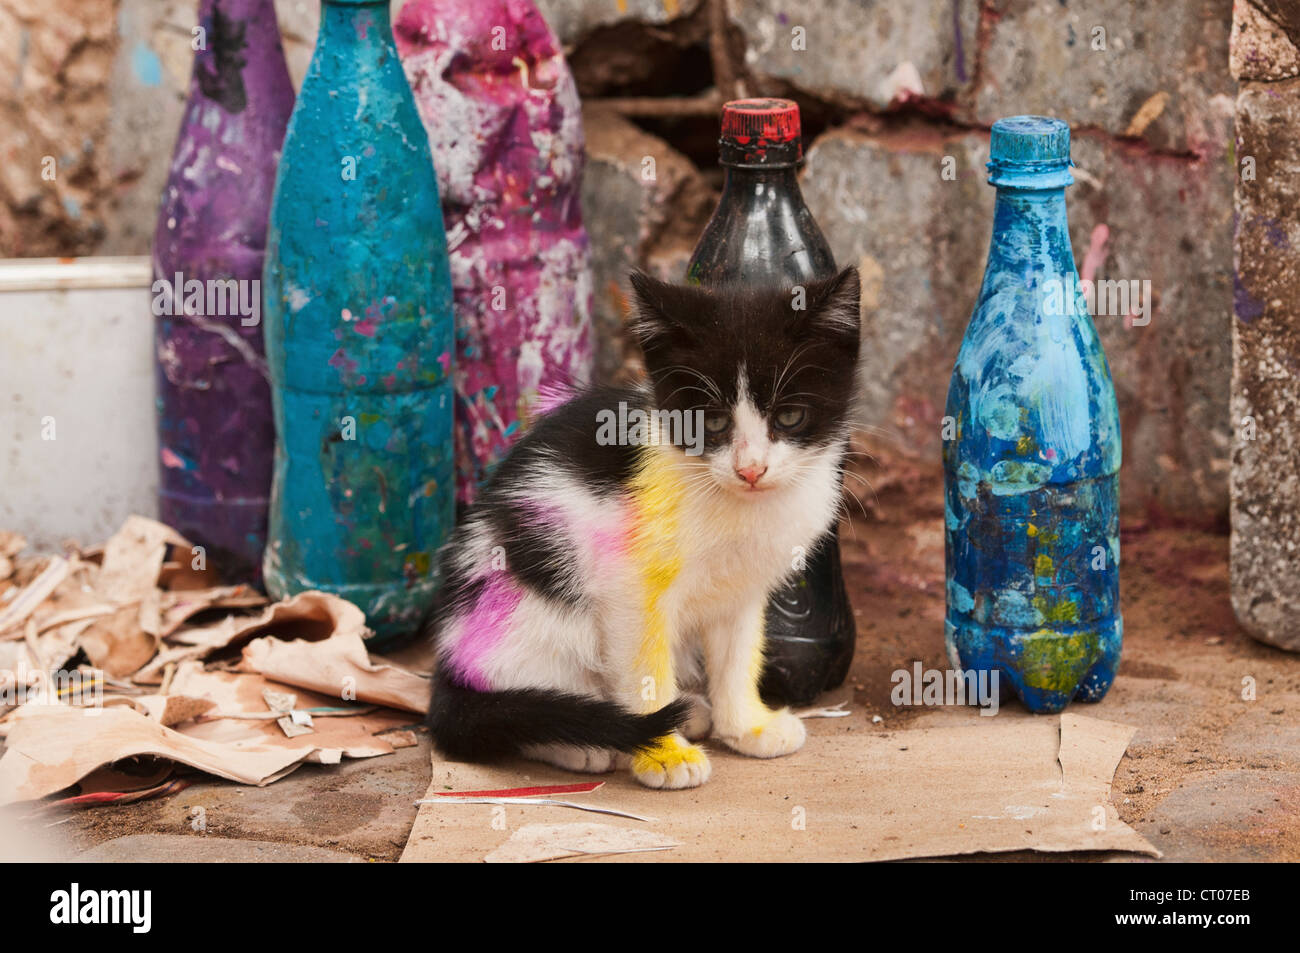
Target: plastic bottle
359,335
762,232
1032,449
214,404
505,126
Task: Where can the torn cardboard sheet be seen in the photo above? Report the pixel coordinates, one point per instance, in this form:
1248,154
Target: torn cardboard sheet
114,610
338,665
138,620
537,842
51,747
32,595
855,792
308,619
133,558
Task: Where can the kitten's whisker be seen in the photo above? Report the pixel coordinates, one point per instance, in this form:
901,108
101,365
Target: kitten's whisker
895,436
710,386
776,388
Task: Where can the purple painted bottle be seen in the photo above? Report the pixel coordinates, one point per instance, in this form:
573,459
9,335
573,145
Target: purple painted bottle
505,127
216,433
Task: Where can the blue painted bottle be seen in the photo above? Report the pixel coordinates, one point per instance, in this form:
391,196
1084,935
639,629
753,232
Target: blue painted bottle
359,335
1032,449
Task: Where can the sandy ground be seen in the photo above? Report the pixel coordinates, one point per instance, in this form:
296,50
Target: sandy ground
1210,774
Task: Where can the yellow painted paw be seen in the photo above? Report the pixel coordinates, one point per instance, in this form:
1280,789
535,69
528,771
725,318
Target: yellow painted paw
671,763
782,733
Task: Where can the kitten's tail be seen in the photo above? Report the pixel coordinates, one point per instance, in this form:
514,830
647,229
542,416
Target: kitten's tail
469,725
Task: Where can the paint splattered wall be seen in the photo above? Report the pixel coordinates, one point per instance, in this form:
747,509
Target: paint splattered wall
897,97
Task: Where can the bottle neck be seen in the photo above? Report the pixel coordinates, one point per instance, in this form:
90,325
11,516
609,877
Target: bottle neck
241,59
356,23
233,9
752,183
1031,233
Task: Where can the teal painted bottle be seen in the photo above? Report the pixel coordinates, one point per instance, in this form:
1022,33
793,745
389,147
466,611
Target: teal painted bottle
359,335
1031,467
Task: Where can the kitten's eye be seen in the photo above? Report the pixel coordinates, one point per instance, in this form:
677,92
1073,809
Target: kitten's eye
791,418
717,421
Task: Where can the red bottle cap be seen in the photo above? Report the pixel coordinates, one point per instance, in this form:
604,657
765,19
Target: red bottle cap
761,132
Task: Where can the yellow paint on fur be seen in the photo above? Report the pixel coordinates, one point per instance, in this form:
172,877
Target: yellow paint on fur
656,502
668,752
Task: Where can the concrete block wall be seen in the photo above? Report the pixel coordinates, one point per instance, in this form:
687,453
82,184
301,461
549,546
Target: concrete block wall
1266,327
902,95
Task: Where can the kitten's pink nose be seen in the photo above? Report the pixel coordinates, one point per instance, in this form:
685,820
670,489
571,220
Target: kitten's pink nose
751,474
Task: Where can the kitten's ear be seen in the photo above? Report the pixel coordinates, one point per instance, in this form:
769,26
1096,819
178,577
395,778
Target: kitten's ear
834,304
660,307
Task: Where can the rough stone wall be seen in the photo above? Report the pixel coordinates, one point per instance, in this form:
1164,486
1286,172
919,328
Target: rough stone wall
99,85
897,97
1266,329
54,110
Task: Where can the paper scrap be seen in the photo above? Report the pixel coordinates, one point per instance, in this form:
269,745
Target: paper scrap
538,842
830,711
292,728
535,802
585,787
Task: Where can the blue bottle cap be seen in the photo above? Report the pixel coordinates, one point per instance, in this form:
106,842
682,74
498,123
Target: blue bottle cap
1030,152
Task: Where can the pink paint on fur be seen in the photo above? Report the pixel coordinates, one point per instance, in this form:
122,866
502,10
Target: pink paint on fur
484,628
551,395
603,542
609,543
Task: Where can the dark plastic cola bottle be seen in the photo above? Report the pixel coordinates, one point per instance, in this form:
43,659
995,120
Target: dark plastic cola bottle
763,233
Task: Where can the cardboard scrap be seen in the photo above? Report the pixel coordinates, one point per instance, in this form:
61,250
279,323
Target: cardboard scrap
51,747
854,792
145,626
537,842
338,665
172,710
11,544
133,558
116,612
32,595
117,643
399,738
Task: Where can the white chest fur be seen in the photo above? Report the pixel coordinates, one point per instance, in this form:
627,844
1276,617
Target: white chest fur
737,548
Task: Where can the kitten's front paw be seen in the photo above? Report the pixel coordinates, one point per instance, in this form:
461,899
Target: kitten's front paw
783,733
700,723
671,763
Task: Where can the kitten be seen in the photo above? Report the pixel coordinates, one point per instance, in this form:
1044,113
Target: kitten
607,569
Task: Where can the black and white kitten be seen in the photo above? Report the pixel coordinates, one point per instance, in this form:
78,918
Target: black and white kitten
625,549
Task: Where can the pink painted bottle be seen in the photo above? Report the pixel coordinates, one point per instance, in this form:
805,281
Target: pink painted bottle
505,126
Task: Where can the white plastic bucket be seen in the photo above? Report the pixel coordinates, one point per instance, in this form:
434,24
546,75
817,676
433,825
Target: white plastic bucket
77,422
